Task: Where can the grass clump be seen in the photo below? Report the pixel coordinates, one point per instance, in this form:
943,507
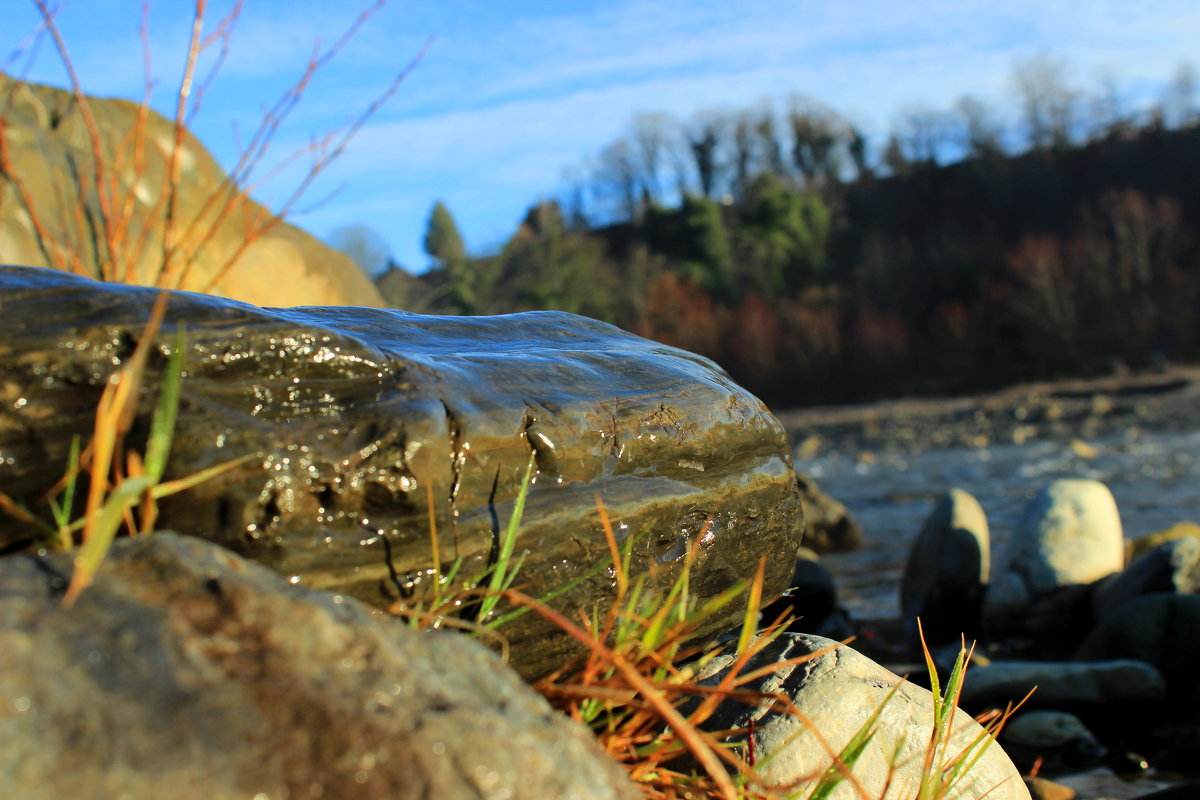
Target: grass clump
122,486
636,687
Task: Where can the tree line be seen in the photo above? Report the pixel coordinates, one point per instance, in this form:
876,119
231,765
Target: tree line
816,265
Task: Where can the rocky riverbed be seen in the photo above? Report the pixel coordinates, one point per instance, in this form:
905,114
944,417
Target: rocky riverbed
1139,435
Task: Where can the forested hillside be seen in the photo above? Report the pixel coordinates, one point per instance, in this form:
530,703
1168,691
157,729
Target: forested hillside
814,267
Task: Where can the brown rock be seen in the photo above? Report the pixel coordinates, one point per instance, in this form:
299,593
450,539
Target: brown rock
48,146
359,416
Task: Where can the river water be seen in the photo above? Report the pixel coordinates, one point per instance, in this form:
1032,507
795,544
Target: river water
1154,476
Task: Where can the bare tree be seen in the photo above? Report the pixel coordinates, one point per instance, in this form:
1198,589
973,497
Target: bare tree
816,134
1048,101
365,246
1179,102
922,133
856,146
981,132
616,173
894,159
651,135
770,143
745,152
704,137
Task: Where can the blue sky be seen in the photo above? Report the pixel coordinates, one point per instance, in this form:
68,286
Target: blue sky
512,93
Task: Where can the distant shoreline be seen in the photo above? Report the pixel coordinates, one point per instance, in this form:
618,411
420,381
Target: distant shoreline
1165,399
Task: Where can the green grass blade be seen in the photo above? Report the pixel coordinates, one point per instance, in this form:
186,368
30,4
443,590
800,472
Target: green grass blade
853,750
162,422
62,513
108,520
507,544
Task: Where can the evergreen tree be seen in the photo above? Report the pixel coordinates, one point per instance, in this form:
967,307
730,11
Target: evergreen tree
468,281
442,239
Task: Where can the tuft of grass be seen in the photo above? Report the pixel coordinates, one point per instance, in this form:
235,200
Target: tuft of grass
120,491
636,688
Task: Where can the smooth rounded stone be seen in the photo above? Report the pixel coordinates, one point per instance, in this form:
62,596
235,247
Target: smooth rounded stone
838,689
828,526
361,422
1172,567
49,147
1069,533
1058,740
947,572
1062,683
1160,629
190,673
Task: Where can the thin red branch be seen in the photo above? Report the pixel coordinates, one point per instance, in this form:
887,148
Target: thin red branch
93,132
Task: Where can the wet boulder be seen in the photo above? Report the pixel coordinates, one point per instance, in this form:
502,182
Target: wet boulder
187,672
376,434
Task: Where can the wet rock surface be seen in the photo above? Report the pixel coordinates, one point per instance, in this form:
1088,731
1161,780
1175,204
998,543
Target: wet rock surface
366,423
188,672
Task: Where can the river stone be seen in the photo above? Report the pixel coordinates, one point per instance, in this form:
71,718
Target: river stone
1160,629
48,144
838,689
1058,740
1062,683
828,526
358,418
190,673
1069,533
1172,567
947,572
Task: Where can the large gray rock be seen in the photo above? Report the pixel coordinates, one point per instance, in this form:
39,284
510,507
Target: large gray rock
358,416
1062,684
187,672
947,571
837,689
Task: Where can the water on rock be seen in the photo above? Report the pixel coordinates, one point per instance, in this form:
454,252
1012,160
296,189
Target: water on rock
367,423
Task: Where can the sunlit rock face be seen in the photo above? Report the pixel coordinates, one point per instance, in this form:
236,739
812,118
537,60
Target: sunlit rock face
239,250
365,424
